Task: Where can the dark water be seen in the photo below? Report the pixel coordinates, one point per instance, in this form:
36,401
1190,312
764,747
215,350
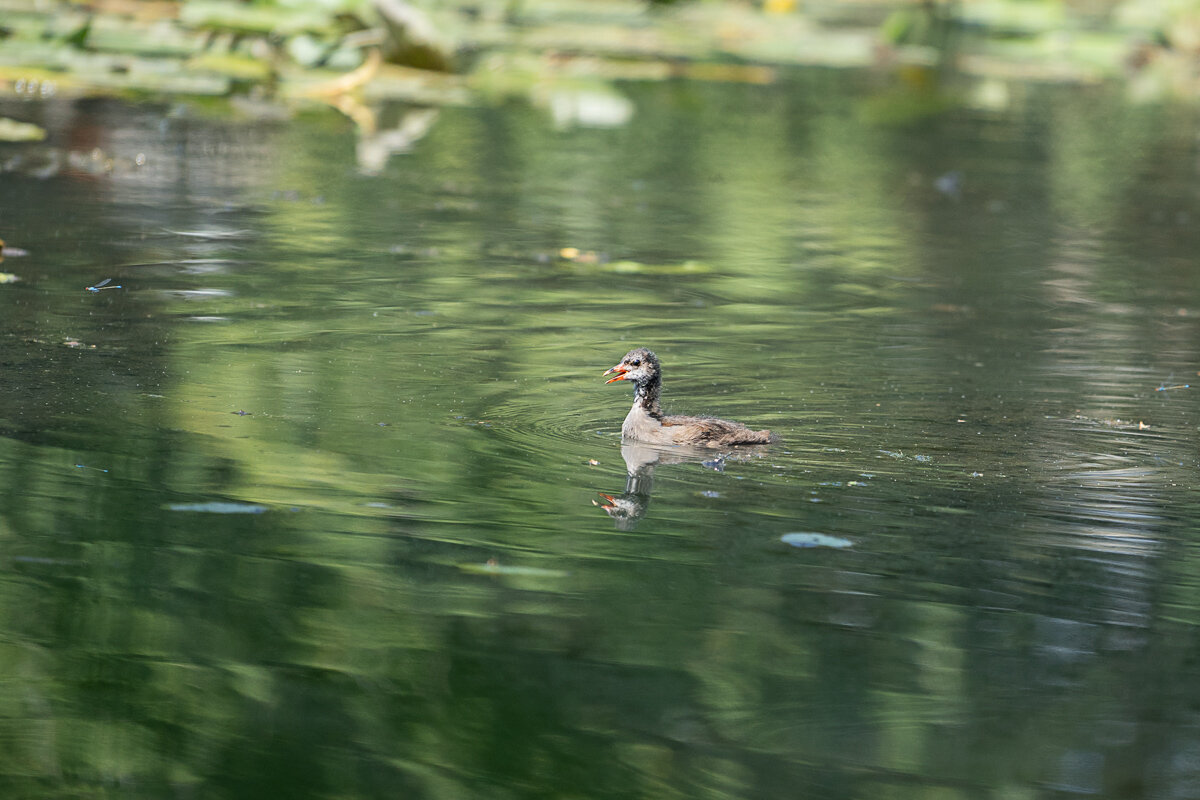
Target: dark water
305,508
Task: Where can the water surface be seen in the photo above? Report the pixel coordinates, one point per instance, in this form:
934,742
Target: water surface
307,507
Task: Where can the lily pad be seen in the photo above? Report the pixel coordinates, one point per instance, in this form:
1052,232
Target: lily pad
806,539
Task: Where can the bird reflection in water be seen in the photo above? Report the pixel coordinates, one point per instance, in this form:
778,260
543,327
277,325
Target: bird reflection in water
628,508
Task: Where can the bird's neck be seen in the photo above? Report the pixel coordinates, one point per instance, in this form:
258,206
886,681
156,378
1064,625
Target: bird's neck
646,396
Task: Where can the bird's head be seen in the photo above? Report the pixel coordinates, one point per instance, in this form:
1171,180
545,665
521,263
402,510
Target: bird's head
639,366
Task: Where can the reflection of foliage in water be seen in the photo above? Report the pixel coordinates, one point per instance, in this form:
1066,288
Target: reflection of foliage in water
420,367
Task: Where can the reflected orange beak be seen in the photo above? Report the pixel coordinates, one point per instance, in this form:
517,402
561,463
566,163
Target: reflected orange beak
618,368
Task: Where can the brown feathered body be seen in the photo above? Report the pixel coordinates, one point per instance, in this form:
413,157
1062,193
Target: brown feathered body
646,422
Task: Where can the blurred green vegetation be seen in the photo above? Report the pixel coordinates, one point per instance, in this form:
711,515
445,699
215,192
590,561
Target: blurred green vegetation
497,48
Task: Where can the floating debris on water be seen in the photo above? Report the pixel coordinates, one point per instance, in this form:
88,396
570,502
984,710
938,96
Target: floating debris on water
805,539
950,184
218,507
213,234
901,456
8,250
195,294
1127,424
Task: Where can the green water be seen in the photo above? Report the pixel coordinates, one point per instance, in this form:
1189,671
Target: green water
307,507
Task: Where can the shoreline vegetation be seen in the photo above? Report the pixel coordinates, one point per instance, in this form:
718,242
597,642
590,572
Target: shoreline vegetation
271,59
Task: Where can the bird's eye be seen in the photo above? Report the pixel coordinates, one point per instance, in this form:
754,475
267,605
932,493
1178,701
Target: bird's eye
635,363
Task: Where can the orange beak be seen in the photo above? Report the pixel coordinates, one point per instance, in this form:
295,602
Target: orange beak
619,369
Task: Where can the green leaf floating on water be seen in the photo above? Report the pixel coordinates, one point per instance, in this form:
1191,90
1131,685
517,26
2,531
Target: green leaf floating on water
814,540
13,131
